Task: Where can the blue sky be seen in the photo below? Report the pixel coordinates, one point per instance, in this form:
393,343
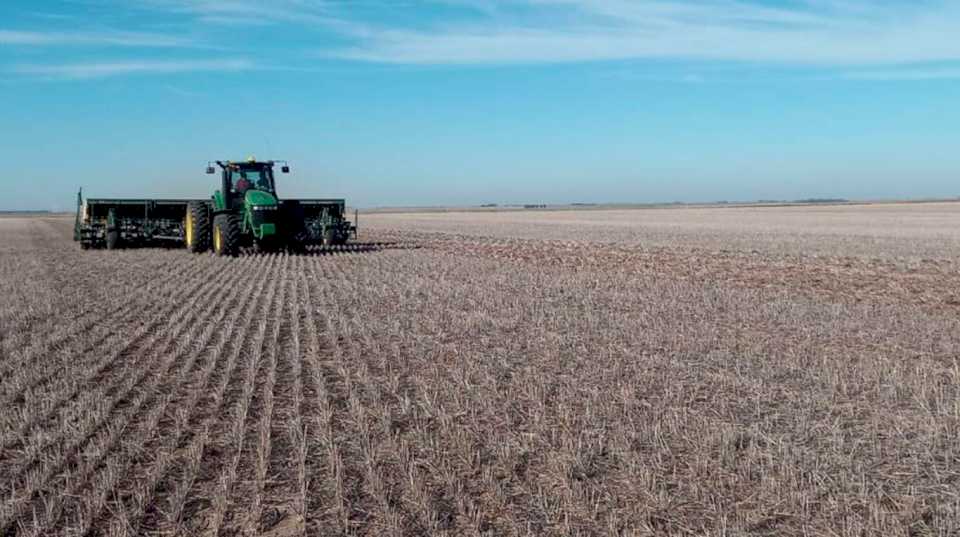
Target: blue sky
458,102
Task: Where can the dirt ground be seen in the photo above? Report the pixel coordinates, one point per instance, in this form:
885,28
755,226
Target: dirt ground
886,230
782,371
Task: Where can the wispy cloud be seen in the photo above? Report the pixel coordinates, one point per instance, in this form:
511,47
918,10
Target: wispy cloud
928,73
80,71
247,12
855,35
823,32
123,39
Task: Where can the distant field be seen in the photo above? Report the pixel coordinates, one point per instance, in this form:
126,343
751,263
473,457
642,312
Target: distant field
870,230
22,214
778,371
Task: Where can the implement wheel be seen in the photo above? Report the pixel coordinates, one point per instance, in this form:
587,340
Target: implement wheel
226,235
196,227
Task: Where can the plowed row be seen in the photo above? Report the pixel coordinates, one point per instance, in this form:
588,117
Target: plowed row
462,387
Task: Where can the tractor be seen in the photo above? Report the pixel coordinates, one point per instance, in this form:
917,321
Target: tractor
244,214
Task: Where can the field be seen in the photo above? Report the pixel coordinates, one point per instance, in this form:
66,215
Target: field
775,371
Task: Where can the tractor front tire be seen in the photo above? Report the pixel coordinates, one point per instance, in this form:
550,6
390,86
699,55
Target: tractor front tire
196,232
226,235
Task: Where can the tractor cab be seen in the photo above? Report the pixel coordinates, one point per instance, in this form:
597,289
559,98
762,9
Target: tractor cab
250,182
246,177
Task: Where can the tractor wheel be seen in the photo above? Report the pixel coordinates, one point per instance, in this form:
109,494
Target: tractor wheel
226,235
113,239
196,232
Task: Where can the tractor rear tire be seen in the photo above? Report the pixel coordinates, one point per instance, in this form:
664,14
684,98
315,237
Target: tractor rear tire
226,235
196,231
113,239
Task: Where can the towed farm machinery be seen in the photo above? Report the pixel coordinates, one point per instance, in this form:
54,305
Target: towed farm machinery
244,213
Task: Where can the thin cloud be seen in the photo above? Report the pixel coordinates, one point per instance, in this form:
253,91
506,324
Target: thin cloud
813,32
245,12
935,73
123,39
95,70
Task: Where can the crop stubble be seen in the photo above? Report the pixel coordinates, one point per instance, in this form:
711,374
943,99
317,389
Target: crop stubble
469,384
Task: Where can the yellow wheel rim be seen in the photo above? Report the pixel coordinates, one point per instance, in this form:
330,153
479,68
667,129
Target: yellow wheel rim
189,230
216,239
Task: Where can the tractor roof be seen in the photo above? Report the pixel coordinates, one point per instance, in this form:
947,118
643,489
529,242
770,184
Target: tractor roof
245,163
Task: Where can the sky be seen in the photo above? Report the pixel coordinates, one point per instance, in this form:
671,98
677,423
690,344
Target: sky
465,102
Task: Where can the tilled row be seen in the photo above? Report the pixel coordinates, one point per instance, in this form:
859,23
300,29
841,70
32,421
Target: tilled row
126,400
929,283
419,392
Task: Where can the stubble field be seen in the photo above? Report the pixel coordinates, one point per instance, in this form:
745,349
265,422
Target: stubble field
781,371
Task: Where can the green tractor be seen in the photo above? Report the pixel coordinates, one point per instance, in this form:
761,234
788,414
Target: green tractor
244,213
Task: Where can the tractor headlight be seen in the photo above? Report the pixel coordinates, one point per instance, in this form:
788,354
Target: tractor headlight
265,208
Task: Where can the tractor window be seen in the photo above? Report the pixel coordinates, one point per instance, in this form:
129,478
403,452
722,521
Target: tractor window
244,180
